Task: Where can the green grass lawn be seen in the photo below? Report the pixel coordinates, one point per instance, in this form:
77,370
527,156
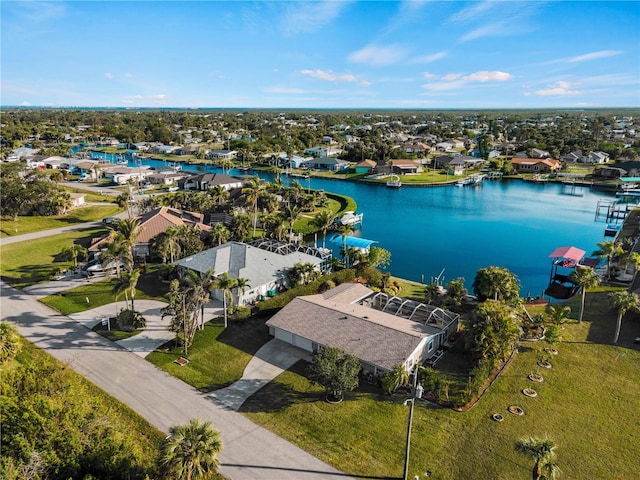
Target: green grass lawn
589,404
100,293
26,263
217,357
24,225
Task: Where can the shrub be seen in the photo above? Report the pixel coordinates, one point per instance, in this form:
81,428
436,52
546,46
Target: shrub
327,285
241,312
129,320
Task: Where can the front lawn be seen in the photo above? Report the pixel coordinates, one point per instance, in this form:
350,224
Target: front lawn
217,357
589,404
37,224
100,293
35,261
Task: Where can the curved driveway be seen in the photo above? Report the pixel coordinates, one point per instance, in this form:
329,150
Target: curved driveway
250,452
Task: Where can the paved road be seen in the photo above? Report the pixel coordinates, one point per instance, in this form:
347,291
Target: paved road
250,452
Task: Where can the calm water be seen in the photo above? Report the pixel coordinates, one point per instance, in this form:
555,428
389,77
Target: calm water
510,224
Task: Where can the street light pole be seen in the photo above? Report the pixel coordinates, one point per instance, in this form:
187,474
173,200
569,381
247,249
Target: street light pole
408,444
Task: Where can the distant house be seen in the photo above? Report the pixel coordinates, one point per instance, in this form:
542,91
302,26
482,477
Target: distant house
166,177
323,151
614,172
206,181
404,166
597,157
382,331
538,153
572,157
535,165
163,149
265,266
122,175
324,163
222,154
365,166
186,150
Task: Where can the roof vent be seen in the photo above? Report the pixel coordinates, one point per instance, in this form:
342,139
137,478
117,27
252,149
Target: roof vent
343,318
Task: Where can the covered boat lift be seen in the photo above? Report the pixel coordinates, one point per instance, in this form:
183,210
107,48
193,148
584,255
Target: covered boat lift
563,261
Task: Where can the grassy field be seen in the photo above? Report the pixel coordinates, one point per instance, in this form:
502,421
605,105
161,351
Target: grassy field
588,404
26,263
24,225
217,357
100,293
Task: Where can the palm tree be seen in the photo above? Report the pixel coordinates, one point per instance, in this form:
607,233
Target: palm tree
241,285
190,452
170,243
116,254
225,284
10,343
120,286
218,194
559,313
292,212
623,302
200,287
586,278
74,252
543,451
323,220
219,233
127,230
132,282
253,191
609,250
634,259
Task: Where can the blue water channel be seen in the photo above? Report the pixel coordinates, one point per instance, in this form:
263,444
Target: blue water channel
510,224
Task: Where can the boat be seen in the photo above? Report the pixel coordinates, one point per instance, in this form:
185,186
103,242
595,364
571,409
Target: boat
612,229
350,218
120,160
475,179
394,182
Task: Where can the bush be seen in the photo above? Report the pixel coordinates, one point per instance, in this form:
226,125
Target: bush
129,320
327,285
241,312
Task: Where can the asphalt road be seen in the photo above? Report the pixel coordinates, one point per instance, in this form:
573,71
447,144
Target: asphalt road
250,452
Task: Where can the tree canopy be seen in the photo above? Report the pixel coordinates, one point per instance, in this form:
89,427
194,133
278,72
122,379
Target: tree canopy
335,370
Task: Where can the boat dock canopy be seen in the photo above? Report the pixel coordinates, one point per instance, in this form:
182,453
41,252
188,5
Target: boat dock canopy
570,253
355,242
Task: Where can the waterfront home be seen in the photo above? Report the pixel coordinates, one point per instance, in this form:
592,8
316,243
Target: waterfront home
265,264
323,151
404,166
122,175
333,164
206,181
222,154
535,165
365,166
167,177
382,331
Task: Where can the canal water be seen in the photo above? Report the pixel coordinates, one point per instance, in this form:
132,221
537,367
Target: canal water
509,224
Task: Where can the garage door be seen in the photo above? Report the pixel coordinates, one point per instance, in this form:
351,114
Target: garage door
284,336
302,343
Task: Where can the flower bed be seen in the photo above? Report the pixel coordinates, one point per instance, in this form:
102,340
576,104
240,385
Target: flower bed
515,410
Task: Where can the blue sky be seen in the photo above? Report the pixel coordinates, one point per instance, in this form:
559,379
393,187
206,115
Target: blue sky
321,54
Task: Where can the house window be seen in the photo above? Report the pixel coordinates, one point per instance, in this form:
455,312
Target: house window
431,346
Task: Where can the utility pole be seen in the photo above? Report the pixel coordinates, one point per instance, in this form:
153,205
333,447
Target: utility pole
413,401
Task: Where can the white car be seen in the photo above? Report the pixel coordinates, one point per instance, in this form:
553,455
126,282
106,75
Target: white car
98,269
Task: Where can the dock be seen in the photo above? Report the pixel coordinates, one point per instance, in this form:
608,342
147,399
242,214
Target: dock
611,212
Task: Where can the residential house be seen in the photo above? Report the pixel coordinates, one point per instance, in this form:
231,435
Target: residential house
572,157
597,157
418,148
187,150
222,154
615,172
123,175
382,331
324,163
163,149
154,223
535,165
166,177
404,166
365,166
323,151
205,181
265,265
538,153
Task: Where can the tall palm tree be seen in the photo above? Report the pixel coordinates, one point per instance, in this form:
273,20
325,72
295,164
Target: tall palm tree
559,313
199,287
225,284
219,233
241,285
190,452
587,278
253,191
116,253
543,452
170,244
608,249
323,220
218,194
127,231
292,212
120,286
623,302
132,282
74,252
345,230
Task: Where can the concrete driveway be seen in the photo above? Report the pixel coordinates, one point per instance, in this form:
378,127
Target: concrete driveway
250,452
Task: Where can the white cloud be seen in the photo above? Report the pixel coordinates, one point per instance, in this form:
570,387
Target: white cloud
38,12
559,88
429,76
364,83
452,81
378,56
307,17
485,76
329,76
109,76
472,12
128,75
491,30
25,104
429,58
159,98
130,99
587,56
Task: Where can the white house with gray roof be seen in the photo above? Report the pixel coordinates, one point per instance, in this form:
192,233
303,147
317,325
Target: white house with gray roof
266,271
382,331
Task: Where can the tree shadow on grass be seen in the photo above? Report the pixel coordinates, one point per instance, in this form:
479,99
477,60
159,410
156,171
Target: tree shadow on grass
246,335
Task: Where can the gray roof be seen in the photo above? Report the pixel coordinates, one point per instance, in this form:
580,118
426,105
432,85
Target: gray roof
240,260
333,319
